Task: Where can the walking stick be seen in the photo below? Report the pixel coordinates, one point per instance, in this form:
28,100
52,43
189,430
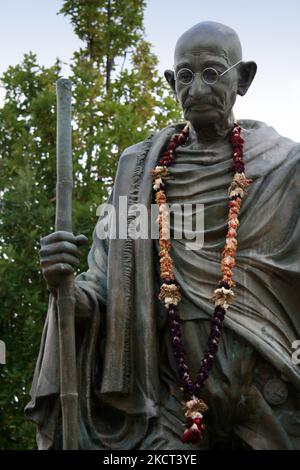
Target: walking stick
66,295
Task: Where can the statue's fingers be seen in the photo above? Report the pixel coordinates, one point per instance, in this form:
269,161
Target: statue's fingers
59,258
60,268
58,236
81,239
59,247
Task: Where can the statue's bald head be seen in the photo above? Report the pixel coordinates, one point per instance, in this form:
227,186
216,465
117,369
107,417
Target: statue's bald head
209,45
213,36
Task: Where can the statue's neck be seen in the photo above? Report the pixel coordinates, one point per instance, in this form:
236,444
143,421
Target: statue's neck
212,132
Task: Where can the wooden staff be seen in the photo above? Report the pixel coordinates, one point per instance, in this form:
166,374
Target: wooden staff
66,295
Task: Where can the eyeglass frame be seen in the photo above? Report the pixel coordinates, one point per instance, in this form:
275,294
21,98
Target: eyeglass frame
219,75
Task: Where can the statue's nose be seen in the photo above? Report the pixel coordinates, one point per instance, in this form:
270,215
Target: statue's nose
197,86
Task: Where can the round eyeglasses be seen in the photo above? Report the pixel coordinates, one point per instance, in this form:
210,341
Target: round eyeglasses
209,75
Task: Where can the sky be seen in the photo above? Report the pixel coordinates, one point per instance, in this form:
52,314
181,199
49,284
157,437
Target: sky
269,32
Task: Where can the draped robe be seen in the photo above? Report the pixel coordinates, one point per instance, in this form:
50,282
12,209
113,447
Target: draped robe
128,385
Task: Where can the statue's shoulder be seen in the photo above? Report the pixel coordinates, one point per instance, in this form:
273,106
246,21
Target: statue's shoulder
129,157
144,145
261,128
132,151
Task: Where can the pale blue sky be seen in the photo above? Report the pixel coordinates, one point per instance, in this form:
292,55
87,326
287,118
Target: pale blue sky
269,32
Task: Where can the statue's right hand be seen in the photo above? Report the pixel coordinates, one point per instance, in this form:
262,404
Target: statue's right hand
59,255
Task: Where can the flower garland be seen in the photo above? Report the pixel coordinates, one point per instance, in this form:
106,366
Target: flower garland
194,407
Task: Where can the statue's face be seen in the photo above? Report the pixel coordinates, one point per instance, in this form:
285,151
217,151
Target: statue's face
204,104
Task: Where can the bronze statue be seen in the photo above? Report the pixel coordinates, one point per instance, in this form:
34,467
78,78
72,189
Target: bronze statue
129,390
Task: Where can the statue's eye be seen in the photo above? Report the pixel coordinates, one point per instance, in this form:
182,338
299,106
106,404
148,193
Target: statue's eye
185,76
210,75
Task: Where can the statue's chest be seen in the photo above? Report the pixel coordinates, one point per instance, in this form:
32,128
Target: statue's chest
201,198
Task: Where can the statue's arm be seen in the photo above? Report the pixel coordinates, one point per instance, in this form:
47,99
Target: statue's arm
59,255
83,304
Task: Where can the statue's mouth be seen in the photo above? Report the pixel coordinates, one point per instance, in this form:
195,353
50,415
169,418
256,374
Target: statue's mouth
202,107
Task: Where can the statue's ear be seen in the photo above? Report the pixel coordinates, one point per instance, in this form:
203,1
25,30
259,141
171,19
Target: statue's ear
170,77
247,73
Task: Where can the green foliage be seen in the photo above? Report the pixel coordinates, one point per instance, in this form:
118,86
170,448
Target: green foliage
107,27
118,98
27,166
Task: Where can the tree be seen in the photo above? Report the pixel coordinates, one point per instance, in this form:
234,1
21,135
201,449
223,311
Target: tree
118,99
27,166
118,94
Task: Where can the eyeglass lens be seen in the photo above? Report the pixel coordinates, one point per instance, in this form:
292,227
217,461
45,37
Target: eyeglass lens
185,76
209,75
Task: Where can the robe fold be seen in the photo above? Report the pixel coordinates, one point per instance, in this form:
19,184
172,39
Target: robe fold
128,385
